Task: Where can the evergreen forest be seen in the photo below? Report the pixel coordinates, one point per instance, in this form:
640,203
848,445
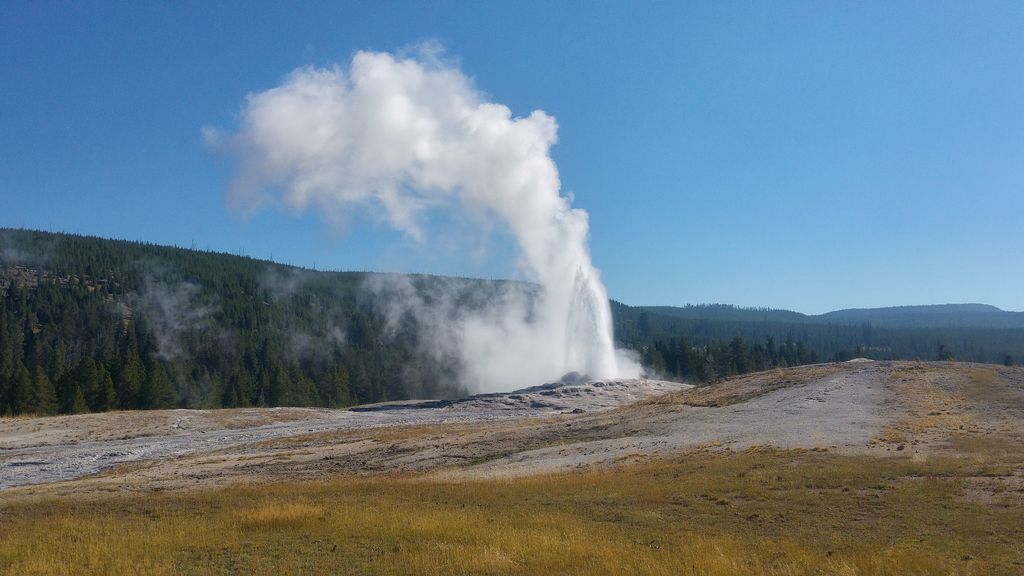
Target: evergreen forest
90,324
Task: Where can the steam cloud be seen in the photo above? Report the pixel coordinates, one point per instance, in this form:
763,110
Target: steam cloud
400,136
171,309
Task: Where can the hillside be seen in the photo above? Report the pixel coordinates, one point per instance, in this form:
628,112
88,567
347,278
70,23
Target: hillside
667,335
936,316
726,313
90,324
930,316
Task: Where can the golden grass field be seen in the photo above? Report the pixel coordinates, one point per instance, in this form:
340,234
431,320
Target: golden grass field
754,512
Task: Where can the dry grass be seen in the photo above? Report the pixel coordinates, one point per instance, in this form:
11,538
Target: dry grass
279,515
741,388
951,403
757,512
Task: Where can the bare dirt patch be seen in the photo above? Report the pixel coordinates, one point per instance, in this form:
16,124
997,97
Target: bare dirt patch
186,447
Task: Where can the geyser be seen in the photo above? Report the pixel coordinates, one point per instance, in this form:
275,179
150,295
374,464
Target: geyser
401,136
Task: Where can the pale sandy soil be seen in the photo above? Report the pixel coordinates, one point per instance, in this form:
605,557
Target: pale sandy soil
46,450
899,409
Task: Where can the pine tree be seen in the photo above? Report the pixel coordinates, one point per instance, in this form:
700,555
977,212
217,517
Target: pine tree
361,382
42,399
104,397
130,378
4,386
19,389
342,391
303,391
158,392
280,387
772,351
75,403
740,355
789,353
93,384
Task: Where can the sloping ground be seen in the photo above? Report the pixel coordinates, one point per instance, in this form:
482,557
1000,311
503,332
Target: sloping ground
900,409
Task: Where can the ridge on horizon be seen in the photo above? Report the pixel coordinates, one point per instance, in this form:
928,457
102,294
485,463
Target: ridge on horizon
973,306
963,307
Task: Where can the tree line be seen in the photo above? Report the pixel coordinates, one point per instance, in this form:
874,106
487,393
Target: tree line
640,329
90,324
680,359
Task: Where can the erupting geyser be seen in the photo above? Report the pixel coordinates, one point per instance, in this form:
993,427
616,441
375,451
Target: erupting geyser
403,136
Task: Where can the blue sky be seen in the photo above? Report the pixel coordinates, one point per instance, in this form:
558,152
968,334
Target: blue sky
801,155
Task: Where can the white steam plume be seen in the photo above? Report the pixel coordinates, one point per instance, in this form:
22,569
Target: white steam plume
402,136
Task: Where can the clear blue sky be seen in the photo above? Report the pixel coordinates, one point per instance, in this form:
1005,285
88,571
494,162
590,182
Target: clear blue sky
801,155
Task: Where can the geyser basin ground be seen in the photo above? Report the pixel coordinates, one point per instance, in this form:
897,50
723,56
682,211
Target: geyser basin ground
908,409
35,451
692,481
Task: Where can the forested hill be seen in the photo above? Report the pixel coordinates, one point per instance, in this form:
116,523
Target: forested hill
705,342
727,313
937,316
932,316
91,324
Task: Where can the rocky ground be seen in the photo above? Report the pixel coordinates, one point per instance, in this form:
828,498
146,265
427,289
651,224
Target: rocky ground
899,409
45,450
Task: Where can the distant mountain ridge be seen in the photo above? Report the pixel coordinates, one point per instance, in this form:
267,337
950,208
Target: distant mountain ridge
918,316
937,316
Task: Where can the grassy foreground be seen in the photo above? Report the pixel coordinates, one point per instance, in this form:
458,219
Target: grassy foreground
757,512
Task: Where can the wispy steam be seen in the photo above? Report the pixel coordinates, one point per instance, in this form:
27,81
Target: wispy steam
397,137
170,309
12,252
283,285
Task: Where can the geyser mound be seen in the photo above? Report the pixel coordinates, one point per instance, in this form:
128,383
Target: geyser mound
400,137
